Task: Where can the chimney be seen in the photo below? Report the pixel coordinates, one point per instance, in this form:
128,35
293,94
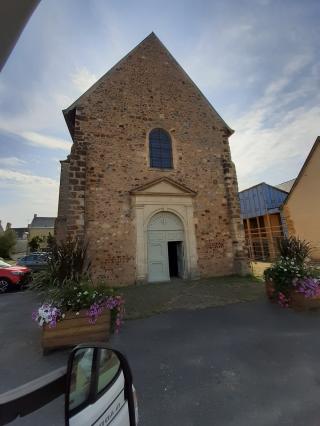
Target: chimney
35,215
8,226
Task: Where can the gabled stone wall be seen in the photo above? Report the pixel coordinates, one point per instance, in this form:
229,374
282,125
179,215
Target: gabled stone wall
110,158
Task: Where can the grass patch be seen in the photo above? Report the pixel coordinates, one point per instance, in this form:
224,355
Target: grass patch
149,299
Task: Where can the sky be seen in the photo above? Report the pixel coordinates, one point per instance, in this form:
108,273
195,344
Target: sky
257,62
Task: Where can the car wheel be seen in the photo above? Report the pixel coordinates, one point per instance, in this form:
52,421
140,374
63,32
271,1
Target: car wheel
4,285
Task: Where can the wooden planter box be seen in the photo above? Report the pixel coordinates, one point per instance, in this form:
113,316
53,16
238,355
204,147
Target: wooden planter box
301,303
75,329
270,291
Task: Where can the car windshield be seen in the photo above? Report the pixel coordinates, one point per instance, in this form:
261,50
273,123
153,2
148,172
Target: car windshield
4,264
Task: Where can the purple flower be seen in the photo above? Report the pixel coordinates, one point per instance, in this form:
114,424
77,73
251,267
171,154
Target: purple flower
309,287
110,303
47,314
94,311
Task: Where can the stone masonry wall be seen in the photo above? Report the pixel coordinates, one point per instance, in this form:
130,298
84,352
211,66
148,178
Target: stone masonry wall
77,181
110,158
60,228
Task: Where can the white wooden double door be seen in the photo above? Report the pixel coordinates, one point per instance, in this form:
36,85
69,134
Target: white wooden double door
163,228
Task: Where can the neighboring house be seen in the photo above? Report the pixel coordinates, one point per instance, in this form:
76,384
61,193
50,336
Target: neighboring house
41,227
302,206
149,182
262,219
21,233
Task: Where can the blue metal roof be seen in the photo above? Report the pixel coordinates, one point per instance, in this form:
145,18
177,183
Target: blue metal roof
260,200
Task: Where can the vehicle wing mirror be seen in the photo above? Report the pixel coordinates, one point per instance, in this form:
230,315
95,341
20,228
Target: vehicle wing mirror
99,387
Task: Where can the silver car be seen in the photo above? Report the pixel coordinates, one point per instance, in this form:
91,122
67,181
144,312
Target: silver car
35,261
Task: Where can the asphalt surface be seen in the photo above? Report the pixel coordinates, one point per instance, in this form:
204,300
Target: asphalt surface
250,364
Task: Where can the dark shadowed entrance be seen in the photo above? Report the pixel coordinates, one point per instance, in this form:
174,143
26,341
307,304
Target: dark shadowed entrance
175,258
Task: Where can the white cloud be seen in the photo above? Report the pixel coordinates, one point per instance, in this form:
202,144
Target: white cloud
50,142
83,79
217,59
275,133
9,177
26,194
11,162
235,56
275,152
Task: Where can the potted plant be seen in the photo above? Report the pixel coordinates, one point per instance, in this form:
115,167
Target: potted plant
73,308
78,313
279,279
290,279
306,293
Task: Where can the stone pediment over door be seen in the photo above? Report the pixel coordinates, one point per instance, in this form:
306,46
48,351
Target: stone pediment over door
164,187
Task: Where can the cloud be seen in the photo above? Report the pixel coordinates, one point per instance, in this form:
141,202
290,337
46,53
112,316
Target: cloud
26,194
275,154
233,50
11,162
50,142
274,136
217,61
83,79
9,177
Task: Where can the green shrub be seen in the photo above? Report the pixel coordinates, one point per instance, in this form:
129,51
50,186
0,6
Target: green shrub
51,242
67,262
75,296
35,243
7,241
294,249
66,286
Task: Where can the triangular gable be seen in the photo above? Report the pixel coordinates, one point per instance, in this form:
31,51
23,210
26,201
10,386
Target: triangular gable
69,112
303,168
163,186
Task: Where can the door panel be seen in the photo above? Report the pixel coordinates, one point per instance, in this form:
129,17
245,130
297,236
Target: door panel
157,235
174,235
158,261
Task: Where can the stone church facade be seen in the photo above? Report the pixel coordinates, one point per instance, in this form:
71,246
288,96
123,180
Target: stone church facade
149,182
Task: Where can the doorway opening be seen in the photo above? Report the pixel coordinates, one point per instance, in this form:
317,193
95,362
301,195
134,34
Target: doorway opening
165,243
175,256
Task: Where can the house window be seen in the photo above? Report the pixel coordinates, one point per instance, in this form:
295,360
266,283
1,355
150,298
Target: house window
160,149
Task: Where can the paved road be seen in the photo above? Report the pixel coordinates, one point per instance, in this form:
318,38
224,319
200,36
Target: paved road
250,364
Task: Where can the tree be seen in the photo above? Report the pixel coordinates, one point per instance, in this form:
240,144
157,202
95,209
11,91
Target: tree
51,242
7,241
35,242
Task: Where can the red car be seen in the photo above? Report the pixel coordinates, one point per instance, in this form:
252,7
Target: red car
13,277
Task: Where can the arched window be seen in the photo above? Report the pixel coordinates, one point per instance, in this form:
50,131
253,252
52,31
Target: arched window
160,149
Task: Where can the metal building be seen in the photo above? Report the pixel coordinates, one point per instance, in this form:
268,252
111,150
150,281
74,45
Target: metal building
262,219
